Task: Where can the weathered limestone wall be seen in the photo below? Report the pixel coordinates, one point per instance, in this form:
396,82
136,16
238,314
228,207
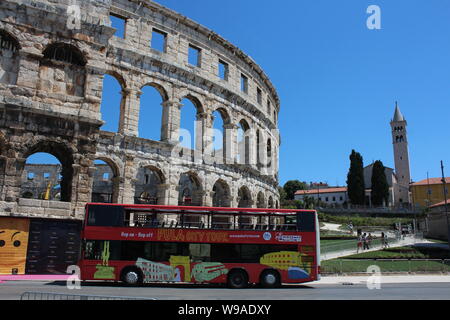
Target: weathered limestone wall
53,59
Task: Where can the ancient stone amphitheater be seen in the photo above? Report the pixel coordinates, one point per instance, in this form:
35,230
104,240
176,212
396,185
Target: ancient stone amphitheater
54,56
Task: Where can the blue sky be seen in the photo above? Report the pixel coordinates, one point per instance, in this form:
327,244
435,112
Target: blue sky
337,80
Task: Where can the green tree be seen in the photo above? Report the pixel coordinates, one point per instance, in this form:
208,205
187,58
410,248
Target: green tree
355,179
282,194
292,186
380,186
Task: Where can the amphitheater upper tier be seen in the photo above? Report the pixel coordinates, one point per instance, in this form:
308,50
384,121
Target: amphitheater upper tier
54,56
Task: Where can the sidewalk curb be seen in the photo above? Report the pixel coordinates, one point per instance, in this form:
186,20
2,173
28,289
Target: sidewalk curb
384,279
62,277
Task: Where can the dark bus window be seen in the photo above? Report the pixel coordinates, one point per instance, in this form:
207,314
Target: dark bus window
225,253
200,252
132,250
105,216
245,253
162,251
102,250
306,222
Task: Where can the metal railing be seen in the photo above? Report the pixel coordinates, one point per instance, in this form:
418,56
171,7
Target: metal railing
62,296
348,266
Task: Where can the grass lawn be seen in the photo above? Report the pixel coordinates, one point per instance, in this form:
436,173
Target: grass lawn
352,266
401,259
410,252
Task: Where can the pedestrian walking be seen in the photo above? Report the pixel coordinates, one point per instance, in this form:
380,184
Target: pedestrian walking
384,241
365,242
369,240
359,244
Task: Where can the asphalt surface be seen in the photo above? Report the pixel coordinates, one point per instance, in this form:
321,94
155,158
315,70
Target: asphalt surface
345,290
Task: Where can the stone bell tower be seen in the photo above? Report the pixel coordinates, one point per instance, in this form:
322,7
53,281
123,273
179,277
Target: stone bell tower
401,158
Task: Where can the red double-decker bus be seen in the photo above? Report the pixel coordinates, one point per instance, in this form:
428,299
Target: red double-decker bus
140,244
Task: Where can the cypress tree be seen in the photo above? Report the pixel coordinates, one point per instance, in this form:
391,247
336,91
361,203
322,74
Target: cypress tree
355,179
380,187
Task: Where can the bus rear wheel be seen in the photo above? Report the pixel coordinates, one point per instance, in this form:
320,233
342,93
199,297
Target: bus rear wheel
270,279
237,279
132,276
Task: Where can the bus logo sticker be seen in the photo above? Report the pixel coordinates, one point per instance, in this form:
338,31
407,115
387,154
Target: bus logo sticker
288,238
267,236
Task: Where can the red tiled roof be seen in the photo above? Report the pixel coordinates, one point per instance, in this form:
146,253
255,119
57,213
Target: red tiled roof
321,191
431,181
440,204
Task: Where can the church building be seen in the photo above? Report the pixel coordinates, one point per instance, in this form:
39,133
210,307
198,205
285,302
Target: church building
400,178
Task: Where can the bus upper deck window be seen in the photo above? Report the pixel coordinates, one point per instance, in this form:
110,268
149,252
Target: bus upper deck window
306,222
105,216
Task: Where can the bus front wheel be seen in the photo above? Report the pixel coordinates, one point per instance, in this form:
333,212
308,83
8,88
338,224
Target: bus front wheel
132,276
237,279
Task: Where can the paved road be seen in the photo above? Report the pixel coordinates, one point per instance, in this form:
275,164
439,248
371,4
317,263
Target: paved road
11,290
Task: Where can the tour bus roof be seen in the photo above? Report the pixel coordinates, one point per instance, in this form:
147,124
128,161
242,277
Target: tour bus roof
189,209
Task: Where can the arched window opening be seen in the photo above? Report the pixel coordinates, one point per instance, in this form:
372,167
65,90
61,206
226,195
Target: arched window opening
261,202
8,42
65,53
243,139
9,59
189,190
45,178
259,155
270,203
151,113
244,198
219,134
269,153
147,186
105,185
221,198
111,105
188,124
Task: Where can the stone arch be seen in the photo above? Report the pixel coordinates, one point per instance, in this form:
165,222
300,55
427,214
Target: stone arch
65,156
244,142
64,52
106,190
224,113
196,101
260,202
119,77
244,197
220,135
269,152
270,203
192,112
221,194
113,112
149,182
160,87
190,192
259,154
153,119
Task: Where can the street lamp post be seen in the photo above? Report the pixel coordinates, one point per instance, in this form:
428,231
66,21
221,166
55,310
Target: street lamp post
444,184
